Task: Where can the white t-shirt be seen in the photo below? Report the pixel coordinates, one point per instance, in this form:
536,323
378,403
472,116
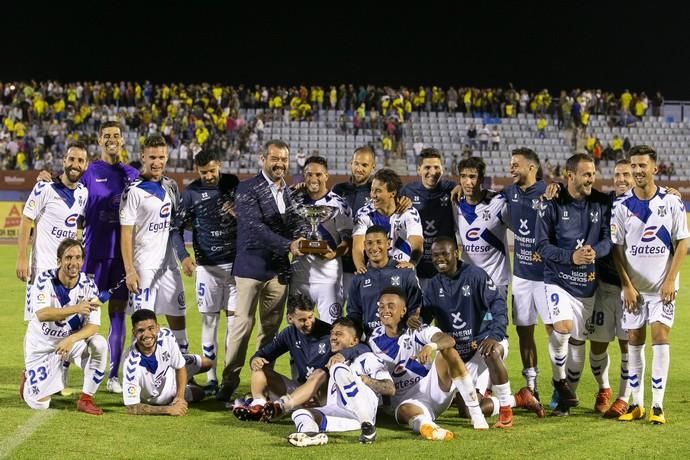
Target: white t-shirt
649,230
55,209
148,207
399,226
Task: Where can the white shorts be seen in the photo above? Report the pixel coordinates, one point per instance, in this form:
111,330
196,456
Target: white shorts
336,416
215,288
652,310
478,370
429,397
529,300
328,298
45,371
564,306
607,316
160,291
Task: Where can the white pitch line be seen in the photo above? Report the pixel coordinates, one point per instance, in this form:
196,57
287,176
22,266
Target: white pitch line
24,432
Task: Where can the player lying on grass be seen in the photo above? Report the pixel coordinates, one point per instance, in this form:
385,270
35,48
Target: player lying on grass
353,393
156,373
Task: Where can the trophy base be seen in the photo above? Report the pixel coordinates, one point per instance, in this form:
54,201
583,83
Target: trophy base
313,247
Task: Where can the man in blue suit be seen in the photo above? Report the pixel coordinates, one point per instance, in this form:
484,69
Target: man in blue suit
267,231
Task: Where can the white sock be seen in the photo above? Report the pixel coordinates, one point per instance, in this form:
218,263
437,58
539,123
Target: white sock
181,337
505,396
558,351
466,389
661,355
258,402
416,422
636,364
624,386
304,421
530,375
94,368
350,392
209,341
575,364
600,368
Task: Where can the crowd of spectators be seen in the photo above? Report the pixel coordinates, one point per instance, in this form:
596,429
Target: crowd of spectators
38,119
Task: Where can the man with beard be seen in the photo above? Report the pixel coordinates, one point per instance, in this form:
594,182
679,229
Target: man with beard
319,276
56,208
267,227
572,233
207,207
430,196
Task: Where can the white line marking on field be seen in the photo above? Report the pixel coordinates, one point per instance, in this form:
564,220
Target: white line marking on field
24,432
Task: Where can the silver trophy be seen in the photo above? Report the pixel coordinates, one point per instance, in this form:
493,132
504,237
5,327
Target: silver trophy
315,214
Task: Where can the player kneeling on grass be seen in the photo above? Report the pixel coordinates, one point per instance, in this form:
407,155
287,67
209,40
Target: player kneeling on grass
63,328
156,372
424,384
468,306
307,340
353,390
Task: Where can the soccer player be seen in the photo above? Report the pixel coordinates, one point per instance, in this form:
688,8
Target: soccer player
481,223
353,394
207,207
529,300
106,179
404,229
156,372
319,276
424,383
356,193
57,208
466,304
572,233
147,206
306,338
650,234
382,271
63,327
430,196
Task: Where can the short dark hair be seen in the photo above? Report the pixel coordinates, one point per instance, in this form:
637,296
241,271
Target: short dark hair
347,322
365,149
81,145
390,178
573,161
68,243
143,315
473,163
282,145
446,239
622,161
205,156
318,160
528,154
109,124
299,301
394,290
643,150
154,140
376,229
429,152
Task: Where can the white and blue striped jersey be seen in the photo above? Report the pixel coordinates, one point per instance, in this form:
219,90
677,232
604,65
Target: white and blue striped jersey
397,354
400,228
55,209
313,268
367,364
481,229
648,229
48,292
148,207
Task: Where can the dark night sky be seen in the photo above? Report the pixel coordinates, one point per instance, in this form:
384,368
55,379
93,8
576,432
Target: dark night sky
531,44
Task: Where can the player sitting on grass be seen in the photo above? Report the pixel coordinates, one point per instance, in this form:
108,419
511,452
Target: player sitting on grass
353,390
156,372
